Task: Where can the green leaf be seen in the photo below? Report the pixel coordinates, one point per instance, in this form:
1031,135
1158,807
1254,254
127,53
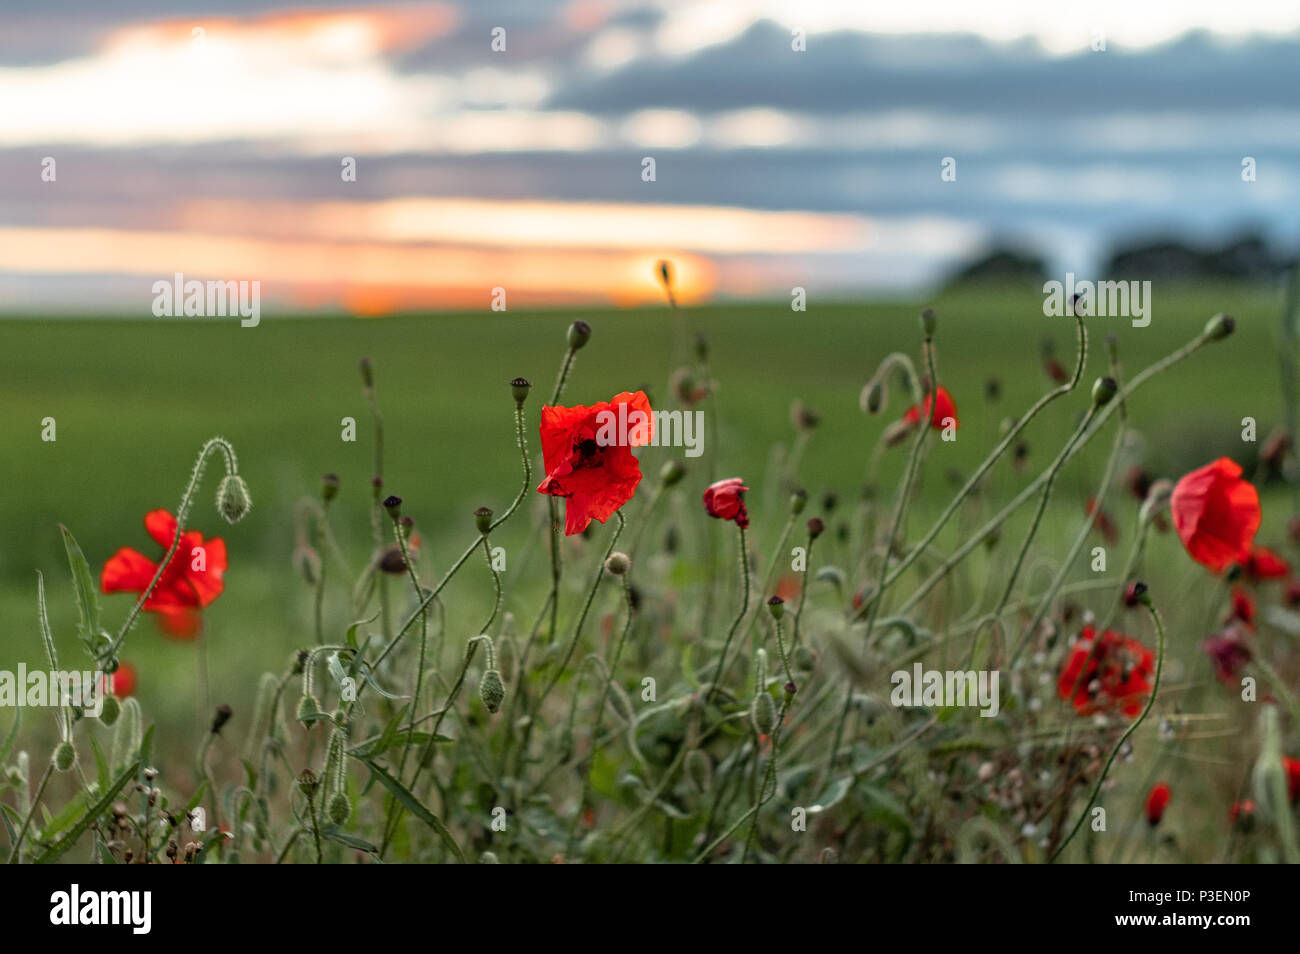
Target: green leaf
83,581
379,744
197,797
412,804
146,746
835,793
59,848
334,833
46,637
102,772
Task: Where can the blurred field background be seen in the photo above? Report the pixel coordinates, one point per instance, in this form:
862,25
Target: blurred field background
134,400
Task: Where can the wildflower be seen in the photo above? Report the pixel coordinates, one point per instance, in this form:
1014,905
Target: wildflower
1228,651
1292,768
1112,670
1216,514
594,475
725,500
1262,564
191,581
944,408
1157,800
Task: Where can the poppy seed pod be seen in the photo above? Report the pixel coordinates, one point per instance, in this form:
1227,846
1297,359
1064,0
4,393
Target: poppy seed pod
233,501
492,690
1220,326
579,334
519,387
483,519
776,606
393,504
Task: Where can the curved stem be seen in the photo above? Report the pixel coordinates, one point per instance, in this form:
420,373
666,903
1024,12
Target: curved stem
744,608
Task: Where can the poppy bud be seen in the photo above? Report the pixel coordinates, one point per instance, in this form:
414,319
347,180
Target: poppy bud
671,473
492,690
339,808
763,712
1220,326
111,710
483,519
699,770
618,563
1141,594
233,502
815,528
367,373
221,717
579,334
873,397
797,500
665,270
329,487
1102,391
519,387
805,660
64,757
776,606
393,504
790,689
929,321
1157,799
308,706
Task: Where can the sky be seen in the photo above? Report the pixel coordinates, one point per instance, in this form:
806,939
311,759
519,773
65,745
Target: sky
503,144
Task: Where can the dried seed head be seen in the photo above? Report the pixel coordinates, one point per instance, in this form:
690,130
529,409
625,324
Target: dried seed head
233,501
519,387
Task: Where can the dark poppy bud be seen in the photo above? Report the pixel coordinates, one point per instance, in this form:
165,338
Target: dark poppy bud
221,717
829,502
483,519
579,334
776,606
929,322
329,487
393,504
790,689
816,527
1102,391
520,387
1140,593
1220,326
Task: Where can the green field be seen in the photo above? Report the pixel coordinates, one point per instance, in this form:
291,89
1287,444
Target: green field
134,400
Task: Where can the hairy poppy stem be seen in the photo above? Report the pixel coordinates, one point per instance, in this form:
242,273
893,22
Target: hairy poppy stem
1155,687
744,608
214,444
31,811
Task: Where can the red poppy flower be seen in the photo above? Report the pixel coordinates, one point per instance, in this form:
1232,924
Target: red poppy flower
944,407
123,681
1243,606
1229,651
1216,514
1292,767
1110,671
725,500
1157,799
1263,564
587,452
191,581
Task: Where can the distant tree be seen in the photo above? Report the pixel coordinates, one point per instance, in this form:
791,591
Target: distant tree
1002,264
1249,257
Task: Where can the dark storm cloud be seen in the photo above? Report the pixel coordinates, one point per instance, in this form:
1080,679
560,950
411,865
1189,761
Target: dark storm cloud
850,71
